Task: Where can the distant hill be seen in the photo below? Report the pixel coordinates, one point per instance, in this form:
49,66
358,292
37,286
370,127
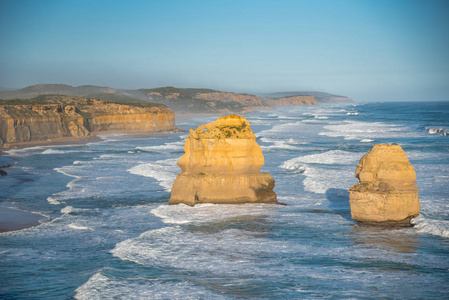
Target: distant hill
180,100
319,96
56,89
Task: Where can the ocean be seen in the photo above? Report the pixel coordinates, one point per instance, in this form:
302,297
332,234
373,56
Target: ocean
112,235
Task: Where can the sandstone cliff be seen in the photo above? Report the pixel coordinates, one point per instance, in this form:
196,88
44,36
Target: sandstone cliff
50,117
387,193
221,164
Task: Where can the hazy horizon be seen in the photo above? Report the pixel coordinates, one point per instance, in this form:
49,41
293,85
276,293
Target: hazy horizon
366,50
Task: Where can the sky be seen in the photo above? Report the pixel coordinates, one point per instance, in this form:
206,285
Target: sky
395,50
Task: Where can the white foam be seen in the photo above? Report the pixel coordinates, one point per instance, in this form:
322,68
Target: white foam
366,141
70,209
295,126
183,214
320,173
164,171
53,201
175,146
100,286
280,145
24,151
79,227
57,151
432,226
230,252
328,158
352,130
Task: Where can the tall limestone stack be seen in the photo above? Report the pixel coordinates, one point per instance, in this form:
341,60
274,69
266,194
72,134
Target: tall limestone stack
387,193
222,164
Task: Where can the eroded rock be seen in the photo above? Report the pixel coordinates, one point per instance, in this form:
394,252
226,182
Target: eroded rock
222,164
387,193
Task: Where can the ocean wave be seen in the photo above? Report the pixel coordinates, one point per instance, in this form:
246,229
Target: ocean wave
353,130
432,226
440,130
233,252
287,127
79,227
101,286
328,158
320,172
207,212
24,151
174,146
164,171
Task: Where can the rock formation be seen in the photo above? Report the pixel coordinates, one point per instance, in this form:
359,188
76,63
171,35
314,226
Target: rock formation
387,193
222,164
50,117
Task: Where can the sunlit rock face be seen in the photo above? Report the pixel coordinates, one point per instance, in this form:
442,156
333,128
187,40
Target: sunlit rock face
387,193
222,164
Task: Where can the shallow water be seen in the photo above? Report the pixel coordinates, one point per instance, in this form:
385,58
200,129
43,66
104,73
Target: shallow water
112,234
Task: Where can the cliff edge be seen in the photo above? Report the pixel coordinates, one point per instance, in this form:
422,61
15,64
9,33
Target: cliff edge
53,116
222,164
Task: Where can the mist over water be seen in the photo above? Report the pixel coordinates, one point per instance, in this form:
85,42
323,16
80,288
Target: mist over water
113,235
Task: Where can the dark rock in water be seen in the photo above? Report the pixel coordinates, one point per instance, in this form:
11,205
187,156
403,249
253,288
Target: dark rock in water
3,173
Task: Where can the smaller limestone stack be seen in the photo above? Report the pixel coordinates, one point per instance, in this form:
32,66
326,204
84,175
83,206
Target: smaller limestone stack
387,193
222,164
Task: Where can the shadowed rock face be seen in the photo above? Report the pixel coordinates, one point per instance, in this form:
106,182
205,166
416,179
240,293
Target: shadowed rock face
387,193
54,116
222,164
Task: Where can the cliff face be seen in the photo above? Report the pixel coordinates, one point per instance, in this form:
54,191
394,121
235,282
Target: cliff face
222,164
292,101
387,193
63,116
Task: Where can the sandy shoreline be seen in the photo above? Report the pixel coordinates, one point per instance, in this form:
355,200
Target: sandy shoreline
16,219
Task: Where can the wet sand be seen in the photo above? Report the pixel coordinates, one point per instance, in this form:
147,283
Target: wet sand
49,142
15,219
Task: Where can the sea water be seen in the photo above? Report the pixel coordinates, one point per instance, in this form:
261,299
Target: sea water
112,235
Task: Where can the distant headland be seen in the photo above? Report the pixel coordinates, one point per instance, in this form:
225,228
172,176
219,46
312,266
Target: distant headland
45,112
181,100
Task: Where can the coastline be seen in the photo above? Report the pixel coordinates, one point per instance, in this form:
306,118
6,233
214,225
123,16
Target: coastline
12,219
49,142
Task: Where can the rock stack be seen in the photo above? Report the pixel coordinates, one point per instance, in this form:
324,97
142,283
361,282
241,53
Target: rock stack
387,193
222,164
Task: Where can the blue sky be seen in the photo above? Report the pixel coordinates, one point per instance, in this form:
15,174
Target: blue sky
368,50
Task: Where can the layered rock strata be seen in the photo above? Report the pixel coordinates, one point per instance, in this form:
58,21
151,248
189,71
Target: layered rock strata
387,193
77,117
222,164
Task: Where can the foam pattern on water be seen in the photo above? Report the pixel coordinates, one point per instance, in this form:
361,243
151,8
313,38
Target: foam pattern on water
100,286
164,171
357,130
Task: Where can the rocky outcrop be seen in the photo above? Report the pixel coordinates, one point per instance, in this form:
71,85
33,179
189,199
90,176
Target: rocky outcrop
222,164
387,193
292,101
64,116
